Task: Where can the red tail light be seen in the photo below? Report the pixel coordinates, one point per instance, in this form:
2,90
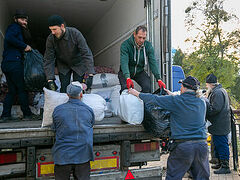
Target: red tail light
150,146
97,153
8,158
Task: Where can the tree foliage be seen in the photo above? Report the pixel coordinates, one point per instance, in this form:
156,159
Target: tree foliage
178,57
215,50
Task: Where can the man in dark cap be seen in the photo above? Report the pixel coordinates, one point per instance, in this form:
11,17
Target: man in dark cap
218,113
69,48
73,149
12,66
189,150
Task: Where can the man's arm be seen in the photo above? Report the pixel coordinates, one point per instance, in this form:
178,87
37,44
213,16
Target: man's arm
49,59
164,102
11,37
85,52
216,103
124,60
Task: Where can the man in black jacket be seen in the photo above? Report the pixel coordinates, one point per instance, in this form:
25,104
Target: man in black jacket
218,113
12,66
69,48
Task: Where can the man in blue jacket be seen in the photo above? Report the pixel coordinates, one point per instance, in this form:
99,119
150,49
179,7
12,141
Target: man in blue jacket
189,150
12,66
73,148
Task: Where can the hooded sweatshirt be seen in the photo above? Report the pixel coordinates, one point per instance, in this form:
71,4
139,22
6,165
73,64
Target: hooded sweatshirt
133,59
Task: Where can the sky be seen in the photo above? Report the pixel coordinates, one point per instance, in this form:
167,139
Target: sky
179,31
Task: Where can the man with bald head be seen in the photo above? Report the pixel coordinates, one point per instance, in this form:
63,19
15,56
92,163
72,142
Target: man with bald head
73,149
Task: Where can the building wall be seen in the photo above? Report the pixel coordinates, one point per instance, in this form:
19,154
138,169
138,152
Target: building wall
4,21
115,26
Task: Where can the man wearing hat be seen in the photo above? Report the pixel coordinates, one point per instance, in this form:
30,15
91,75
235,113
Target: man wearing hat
189,150
218,113
73,149
12,66
67,48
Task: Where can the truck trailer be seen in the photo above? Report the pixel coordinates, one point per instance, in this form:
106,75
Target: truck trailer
121,150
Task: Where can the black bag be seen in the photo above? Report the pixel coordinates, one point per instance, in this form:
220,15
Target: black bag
156,120
34,75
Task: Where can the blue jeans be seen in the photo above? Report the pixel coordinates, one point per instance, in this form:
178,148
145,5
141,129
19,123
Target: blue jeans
189,155
221,147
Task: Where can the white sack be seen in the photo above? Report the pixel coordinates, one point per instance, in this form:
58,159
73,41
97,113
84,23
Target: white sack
97,103
105,93
105,80
131,108
53,99
115,100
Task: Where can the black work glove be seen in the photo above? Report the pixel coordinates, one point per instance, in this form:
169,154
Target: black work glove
89,81
52,86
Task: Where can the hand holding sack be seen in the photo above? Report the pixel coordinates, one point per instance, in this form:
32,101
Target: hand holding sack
52,85
161,84
89,81
130,83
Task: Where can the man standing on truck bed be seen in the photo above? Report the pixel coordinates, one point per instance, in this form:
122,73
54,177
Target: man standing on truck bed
12,66
218,113
73,148
189,150
135,53
73,56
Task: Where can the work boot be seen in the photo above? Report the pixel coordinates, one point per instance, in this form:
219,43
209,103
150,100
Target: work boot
31,117
217,165
224,169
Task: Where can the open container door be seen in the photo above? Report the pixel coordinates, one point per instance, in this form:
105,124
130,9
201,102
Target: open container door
159,33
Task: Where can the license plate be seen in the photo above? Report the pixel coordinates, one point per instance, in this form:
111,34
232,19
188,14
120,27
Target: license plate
104,163
45,169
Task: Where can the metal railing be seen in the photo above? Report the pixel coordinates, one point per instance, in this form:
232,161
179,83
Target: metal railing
235,121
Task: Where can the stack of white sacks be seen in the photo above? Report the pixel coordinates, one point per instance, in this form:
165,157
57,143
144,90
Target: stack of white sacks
107,86
127,106
104,99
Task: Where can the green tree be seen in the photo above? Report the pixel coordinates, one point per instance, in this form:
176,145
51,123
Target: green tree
178,57
215,50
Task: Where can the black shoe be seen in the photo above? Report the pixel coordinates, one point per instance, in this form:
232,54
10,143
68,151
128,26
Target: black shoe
31,118
216,166
224,169
7,118
4,119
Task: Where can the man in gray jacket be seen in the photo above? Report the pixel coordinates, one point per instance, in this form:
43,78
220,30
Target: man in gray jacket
218,113
68,47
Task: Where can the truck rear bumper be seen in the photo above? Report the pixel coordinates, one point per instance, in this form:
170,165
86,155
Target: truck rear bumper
144,173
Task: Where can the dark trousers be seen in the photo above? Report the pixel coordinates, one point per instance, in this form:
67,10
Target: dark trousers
189,155
80,171
65,79
141,78
15,82
221,147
